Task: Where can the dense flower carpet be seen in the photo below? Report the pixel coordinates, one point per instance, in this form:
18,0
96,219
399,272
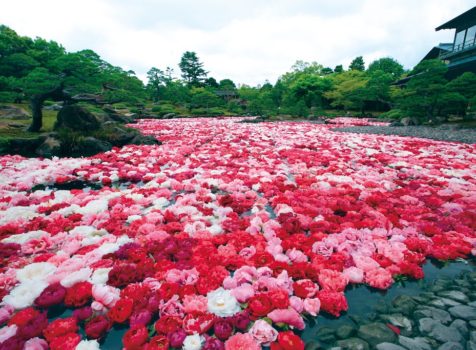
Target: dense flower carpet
227,236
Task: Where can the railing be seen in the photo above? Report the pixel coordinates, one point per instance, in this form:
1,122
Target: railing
466,46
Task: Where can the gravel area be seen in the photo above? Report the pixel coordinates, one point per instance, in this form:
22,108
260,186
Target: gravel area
442,132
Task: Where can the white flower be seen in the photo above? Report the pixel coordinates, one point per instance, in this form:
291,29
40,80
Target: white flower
193,342
100,276
22,238
25,294
222,303
77,276
35,272
88,345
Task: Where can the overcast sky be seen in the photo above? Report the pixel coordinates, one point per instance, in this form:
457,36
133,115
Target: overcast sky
248,41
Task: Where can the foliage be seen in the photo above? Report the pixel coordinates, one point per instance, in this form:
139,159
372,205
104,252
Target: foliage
192,69
357,64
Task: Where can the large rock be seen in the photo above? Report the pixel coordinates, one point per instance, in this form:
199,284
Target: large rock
414,343
49,148
77,118
462,311
376,333
12,112
455,295
426,324
90,146
446,334
353,344
345,331
398,320
404,304
451,346
145,140
432,312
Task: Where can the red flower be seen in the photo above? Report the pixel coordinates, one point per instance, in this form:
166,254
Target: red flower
135,338
78,295
260,305
121,311
60,327
52,295
67,341
198,323
97,327
289,341
332,302
168,324
23,317
159,342
304,288
279,299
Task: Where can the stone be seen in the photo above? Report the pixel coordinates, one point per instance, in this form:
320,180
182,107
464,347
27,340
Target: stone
446,334
353,344
404,304
451,346
455,295
389,346
472,304
398,320
472,336
472,323
414,343
49,148
407,121
312,345
462,311
76,118
145,140
426,324
25,146
168,116
90,146
437,303
461,326
450,302
53,107
326,335
345,331
432,312
396,123
376,333
12,112
470,345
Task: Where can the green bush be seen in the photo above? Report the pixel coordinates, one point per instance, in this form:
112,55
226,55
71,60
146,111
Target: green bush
8,97
207,112
392,114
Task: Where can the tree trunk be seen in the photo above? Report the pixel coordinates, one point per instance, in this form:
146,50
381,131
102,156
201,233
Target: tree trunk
36,103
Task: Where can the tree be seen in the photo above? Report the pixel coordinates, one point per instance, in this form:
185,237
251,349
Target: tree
192,69
339,69
387,65
211,82
227,84
348,92
357,64
327,71
311,89
421,98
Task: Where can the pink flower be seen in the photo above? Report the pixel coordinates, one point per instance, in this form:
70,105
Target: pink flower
106,295
171,307
354,274
194,303
288,316
312,306
296,303
36,344
241,341
379,278
263,333
5,313
243,292
7,332
332,280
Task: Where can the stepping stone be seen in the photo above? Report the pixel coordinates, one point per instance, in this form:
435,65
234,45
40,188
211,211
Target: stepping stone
414,343
462,311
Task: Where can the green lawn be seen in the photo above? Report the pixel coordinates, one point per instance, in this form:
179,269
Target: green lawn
6,131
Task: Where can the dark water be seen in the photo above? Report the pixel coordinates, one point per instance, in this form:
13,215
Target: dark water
362,300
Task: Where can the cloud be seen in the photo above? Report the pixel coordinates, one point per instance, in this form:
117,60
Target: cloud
248,41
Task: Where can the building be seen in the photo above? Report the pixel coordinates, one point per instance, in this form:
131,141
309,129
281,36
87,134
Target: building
460,55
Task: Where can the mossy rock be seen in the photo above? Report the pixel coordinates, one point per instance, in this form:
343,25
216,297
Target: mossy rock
77,118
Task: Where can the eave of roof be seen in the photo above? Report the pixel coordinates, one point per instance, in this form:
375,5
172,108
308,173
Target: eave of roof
463,18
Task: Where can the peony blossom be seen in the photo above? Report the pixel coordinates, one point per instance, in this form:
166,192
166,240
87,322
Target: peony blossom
241,341
287,316
222,303
263,332
193,342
